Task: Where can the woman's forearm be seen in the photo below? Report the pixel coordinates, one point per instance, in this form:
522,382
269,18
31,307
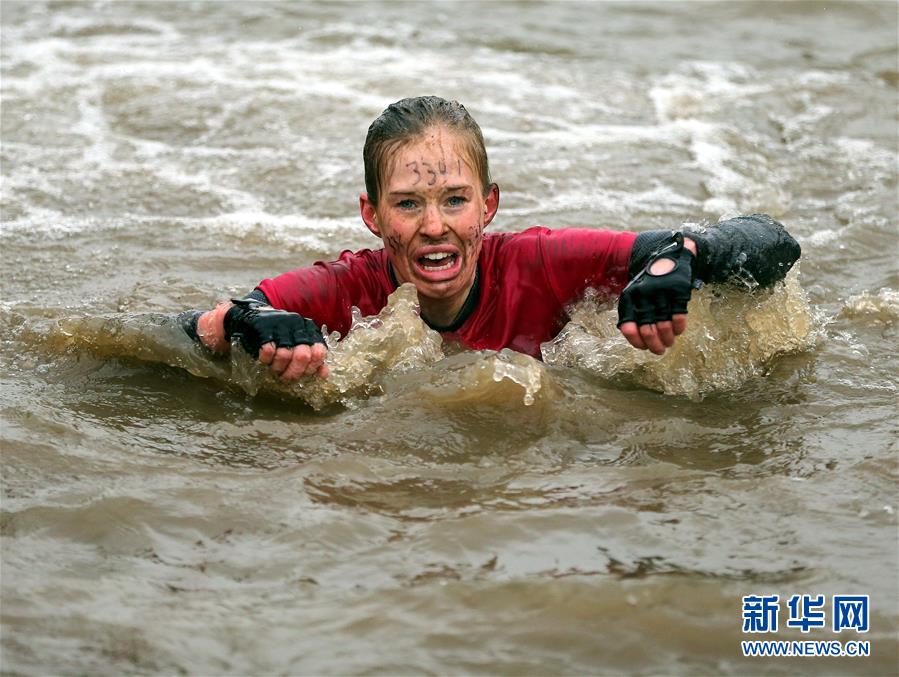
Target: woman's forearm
211,329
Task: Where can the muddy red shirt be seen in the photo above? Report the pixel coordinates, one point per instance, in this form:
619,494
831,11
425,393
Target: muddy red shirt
525,280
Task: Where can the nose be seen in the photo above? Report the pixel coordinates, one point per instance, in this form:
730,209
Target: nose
432,224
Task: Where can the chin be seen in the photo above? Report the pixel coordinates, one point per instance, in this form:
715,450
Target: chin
438,291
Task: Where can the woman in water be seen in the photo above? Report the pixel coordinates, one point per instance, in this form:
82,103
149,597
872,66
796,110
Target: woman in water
429,199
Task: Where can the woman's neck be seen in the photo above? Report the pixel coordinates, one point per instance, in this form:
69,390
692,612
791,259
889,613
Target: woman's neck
439,313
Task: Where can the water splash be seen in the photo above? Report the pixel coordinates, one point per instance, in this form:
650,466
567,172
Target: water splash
520,369
395,340
881,307
149,337
732,336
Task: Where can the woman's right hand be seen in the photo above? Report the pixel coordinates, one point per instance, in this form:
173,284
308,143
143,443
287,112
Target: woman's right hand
289,364
291,345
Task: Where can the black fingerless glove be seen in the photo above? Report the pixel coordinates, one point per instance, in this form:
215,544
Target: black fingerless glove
754,245
650,298
256,324
188,322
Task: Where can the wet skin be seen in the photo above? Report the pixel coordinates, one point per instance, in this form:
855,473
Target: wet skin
431,215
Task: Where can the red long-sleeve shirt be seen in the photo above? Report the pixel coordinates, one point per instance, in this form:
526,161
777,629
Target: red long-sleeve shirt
525,281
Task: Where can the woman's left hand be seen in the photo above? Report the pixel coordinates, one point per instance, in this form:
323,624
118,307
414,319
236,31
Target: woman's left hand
652,308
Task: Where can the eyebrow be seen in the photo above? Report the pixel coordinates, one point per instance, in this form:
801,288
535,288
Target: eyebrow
415,192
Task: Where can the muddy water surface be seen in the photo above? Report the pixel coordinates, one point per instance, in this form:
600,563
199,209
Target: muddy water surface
434,510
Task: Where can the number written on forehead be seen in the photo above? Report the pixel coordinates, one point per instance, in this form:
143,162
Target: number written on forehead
424,171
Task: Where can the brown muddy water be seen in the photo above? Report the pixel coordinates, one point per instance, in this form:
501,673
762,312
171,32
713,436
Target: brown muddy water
432,510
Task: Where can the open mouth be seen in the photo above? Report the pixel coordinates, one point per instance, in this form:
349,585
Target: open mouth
437,261
438,264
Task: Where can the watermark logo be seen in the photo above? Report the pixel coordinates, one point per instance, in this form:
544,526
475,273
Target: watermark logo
761,614
806,612
850,612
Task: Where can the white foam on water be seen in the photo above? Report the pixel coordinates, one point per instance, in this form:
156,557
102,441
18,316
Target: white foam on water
798,126
880,307
341,72
92,124
51,223
733,192
240,201
66,26
295,230
822,237
820,80
699,87
589,134
621,202
698,90
43,53
880,161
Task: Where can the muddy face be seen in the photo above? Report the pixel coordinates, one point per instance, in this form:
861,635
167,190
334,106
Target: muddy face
431,217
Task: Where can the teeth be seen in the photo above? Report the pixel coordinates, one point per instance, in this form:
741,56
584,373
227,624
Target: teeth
446,266
446,259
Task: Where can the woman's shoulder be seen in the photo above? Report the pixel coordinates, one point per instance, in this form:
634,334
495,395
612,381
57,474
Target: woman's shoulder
522,238
521,248
364,258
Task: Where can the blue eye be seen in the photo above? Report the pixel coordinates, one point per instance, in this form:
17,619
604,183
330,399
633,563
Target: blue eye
456,201
406,204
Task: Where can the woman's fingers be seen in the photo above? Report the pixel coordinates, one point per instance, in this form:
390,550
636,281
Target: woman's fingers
283,358
317,358
632,334
290,364
650,336
267,353
655,337
666,332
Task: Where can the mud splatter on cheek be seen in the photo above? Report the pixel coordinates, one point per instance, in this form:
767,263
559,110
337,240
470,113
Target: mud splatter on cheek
395,243
477,234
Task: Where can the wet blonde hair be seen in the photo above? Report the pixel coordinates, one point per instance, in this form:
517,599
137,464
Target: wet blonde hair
408,119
